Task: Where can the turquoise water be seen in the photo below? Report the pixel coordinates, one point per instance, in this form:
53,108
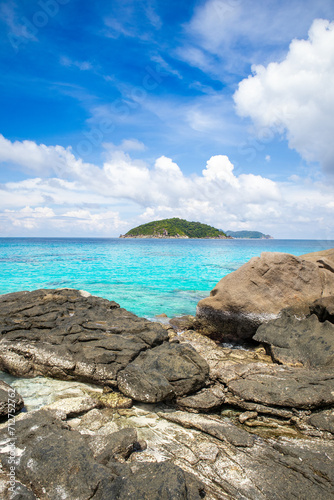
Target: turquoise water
147,277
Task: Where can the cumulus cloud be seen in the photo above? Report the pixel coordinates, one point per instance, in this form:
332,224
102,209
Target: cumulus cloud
296,95
124,192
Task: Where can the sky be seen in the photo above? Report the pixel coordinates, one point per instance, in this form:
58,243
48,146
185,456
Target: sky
116,113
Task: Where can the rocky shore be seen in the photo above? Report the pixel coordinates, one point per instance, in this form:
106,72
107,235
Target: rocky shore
171,411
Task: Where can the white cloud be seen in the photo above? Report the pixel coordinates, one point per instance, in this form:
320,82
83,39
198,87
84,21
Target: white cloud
125,192
297,95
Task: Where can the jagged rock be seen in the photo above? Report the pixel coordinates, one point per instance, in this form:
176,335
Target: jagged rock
11,402
299,342
163,372
71,335
281,386
56,462
260,289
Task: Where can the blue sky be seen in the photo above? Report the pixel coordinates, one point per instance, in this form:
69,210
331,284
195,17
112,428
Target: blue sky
117,113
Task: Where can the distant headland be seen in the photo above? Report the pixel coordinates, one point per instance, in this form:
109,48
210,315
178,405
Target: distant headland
175,228
249,234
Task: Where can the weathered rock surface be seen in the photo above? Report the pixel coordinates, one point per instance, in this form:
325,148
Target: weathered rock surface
52,462
323,420
249,380
282,386
299,342
163,372
71,335
208,399
261,288
10,400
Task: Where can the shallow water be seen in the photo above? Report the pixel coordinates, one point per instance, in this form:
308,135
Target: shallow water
146,276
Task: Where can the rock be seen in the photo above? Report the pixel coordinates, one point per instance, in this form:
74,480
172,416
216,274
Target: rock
207,399
163,372
154,481
14,490
56,462
324,309
68,335
112,399
281,386
260,289
299,342
247,415
10,401
117,446
323,420
182,322
218,428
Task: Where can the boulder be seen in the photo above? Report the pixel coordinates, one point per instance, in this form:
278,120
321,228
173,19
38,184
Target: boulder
163,372
260,289
10,401
299,342
70,335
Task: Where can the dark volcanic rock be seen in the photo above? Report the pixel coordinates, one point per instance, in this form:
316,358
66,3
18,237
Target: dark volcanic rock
282,386
56,462
10,400
294,341
156,481
163,372
71,335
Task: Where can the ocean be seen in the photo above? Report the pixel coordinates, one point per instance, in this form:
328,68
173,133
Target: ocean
146,276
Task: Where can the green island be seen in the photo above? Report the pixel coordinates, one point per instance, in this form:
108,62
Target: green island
249,234
174,228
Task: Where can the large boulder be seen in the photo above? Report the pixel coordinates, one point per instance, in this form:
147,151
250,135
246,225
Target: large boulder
261,288
70,335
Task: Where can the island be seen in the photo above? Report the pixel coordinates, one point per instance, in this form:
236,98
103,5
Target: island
249,235
175,228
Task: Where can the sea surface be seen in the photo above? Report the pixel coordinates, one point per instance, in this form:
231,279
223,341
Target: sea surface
146,276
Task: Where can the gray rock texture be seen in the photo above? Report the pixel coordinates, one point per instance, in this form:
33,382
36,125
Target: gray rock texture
299,342
261,288
11,401
163,372
70,335
53,462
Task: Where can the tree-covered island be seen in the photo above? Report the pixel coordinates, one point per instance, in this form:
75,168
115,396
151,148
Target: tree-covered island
174,228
